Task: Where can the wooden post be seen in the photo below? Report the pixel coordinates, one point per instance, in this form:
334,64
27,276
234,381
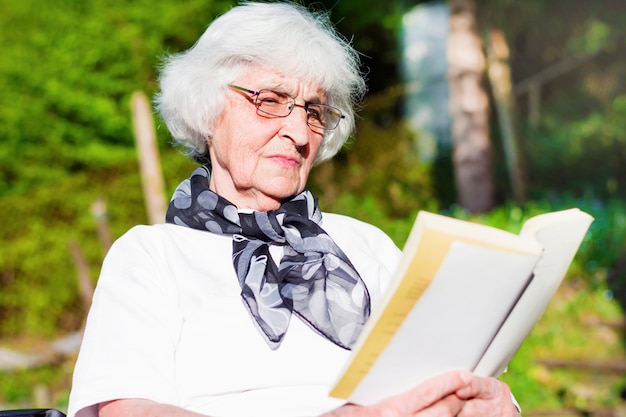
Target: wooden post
99,213
500,78
150,166
85,286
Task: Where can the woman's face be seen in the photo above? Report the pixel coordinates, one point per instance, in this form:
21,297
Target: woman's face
259,161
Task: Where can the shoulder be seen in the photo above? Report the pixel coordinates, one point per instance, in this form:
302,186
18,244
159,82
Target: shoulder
164,236
371,251
347,223
164,244
155,233
361,240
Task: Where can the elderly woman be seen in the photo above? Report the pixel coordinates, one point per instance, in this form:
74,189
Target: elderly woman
247,301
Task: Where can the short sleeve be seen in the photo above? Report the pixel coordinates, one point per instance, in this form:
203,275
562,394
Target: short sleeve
132,329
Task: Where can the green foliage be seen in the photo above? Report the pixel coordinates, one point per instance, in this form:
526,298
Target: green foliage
373,32
577,316
39,294
590,150
381,166
18,387
66,75
575,145
594,38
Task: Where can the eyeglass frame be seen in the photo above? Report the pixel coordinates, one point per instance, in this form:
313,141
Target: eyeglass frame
305,106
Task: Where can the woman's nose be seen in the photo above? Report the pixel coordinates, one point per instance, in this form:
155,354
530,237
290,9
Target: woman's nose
295,125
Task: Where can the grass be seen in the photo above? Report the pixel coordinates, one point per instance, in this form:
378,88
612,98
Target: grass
577,328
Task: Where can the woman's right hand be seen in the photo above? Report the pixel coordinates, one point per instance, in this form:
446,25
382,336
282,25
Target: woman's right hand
434,397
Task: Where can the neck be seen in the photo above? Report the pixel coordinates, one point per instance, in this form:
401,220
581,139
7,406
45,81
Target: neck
246,200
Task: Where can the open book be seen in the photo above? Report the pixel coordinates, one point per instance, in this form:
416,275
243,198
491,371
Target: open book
465,296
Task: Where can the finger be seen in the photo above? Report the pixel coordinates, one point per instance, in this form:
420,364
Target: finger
497,407
440,387
482,388
448,406
428,392
487,397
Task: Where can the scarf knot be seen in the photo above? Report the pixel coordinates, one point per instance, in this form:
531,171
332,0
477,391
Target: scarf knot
265,226
314,278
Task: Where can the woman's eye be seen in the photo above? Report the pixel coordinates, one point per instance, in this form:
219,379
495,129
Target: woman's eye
269,97
314,114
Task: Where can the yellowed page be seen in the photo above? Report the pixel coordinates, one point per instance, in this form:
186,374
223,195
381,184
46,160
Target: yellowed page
450,327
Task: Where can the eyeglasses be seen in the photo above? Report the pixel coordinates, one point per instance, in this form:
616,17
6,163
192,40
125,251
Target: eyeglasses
273,103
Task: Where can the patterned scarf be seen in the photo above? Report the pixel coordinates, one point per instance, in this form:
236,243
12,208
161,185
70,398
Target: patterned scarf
314,279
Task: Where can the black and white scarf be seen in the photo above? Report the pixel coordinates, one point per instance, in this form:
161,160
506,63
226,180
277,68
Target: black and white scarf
314,279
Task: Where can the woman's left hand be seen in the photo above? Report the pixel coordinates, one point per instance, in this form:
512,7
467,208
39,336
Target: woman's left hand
486,397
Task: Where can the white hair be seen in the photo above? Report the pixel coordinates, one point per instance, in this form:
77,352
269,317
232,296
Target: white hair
282,37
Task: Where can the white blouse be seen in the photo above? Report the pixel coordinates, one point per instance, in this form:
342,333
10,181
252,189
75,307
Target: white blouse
168,324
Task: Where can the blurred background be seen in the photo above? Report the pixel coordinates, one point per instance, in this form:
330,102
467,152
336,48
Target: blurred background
488,110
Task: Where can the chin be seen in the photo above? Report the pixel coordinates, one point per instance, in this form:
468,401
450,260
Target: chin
285,192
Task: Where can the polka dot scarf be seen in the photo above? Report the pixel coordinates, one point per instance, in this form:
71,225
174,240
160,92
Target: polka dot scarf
314,279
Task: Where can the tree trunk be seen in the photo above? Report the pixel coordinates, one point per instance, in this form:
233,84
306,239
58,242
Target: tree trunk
502,86
469,109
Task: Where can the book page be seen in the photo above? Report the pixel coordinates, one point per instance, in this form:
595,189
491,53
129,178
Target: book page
560,233
454,321
427,244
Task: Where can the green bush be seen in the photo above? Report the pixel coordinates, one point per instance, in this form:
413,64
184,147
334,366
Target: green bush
581,155
67,72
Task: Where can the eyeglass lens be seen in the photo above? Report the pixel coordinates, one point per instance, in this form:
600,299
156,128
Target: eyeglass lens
281,105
